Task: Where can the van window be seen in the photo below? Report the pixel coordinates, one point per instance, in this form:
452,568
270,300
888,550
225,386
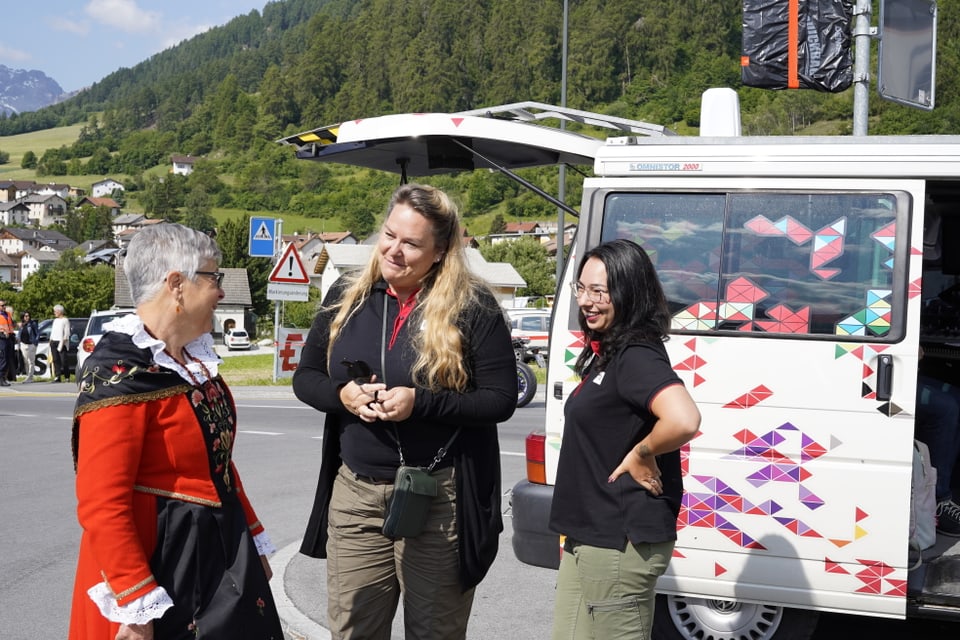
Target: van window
802,264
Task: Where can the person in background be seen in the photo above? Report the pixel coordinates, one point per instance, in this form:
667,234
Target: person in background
60,344
29,338
618,489
171,546
443,376
938,427
7,341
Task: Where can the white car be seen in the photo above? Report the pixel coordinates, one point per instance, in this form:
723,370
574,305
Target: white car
94,331
530,323
236,339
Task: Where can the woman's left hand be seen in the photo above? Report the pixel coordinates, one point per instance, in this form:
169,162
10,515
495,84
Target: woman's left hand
643,470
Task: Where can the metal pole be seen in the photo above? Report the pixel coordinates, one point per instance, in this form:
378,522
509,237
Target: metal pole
861,67
277,247
562,192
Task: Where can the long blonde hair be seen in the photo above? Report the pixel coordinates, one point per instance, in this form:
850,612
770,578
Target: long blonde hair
448,291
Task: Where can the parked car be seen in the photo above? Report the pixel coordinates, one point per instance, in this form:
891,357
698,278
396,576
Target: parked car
534,325
42,365
236,339
94,331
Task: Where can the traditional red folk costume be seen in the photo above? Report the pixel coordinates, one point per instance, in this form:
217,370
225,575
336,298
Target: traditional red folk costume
168,532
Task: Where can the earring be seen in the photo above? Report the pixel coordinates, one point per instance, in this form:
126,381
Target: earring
178,308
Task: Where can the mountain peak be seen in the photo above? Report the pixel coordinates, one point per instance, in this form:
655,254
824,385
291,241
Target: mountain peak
22,90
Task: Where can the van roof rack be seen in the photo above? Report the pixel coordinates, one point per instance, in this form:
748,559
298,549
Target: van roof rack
537,111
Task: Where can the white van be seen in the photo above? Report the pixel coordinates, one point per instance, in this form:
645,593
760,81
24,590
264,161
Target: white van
796,275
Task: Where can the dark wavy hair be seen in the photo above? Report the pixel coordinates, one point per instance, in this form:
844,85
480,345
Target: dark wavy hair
640,307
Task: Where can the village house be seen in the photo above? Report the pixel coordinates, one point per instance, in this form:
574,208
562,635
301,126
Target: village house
182,165
14,212
32,259
45,210
109,203
14,240
103,188
8,191
8,268
53,189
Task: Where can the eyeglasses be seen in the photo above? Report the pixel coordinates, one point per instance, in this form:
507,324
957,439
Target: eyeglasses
216,275
593,295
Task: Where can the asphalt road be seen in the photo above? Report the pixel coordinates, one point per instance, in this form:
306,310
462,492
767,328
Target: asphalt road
277,452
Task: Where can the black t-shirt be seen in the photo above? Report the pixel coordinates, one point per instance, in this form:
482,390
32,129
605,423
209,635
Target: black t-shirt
604,418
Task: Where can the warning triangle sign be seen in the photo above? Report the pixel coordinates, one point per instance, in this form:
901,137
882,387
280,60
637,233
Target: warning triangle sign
289,269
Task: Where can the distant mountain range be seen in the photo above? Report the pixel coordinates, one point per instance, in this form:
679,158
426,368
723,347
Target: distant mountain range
22,90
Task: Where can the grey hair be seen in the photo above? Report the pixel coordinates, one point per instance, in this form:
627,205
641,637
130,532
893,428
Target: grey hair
58,307
157,250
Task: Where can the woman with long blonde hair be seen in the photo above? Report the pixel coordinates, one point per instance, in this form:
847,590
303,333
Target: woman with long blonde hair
411,361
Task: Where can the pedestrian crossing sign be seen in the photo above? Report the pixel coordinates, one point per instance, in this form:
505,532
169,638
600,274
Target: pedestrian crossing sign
263,235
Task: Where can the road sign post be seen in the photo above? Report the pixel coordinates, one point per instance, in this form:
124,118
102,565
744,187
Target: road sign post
287,281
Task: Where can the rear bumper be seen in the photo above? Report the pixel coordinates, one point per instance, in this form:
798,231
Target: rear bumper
533,541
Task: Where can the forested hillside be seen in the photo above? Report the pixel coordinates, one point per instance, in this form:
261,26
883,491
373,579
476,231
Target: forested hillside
227,95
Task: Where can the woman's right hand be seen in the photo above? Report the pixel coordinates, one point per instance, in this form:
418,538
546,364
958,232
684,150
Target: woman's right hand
361,399
135,632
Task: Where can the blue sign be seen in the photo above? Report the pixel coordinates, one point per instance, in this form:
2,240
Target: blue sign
263,237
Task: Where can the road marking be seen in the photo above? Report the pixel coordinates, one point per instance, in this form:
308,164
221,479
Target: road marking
261,433
274,406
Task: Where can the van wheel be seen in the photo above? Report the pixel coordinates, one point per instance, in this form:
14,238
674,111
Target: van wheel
683,618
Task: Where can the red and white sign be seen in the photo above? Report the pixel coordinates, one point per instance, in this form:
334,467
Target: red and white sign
290,269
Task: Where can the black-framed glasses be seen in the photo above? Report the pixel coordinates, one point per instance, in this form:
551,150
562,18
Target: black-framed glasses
216,275
593,294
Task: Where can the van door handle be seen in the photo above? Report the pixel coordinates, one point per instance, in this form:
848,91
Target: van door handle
884,377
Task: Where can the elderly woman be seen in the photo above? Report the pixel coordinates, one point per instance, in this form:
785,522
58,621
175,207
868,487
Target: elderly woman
431,373
171,547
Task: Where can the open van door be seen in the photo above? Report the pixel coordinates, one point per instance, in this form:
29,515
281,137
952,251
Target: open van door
502,138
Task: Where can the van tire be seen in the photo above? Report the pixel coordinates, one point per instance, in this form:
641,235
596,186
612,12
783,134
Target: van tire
685,618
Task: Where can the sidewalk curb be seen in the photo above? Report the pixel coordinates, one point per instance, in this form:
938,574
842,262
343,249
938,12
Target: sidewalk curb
297,625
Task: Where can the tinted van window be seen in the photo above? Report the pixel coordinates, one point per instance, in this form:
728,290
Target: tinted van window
760,262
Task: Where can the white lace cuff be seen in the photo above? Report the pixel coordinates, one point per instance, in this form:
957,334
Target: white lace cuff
139,611
264,544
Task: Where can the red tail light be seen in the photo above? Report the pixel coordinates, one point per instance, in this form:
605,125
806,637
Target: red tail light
536,455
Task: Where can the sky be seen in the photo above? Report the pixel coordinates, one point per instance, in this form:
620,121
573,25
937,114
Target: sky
79,42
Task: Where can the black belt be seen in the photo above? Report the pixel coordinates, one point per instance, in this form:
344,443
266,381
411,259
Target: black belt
369,480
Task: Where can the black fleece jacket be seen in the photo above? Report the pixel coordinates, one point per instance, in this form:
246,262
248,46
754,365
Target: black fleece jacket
490,398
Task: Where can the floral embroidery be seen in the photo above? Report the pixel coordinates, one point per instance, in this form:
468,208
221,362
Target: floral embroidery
212,406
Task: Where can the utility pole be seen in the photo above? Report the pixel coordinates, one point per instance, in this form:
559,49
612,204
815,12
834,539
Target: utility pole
562,192
862,32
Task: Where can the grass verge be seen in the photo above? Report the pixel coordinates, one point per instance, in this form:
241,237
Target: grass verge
253,370
257,370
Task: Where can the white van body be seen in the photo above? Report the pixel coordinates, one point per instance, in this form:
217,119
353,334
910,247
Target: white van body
795,272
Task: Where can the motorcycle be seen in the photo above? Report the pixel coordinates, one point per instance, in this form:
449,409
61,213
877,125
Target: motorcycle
526,378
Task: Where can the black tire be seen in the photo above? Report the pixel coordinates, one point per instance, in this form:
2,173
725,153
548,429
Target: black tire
684,618
526,384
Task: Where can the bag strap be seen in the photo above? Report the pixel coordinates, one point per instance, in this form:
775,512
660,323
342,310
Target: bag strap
442,451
